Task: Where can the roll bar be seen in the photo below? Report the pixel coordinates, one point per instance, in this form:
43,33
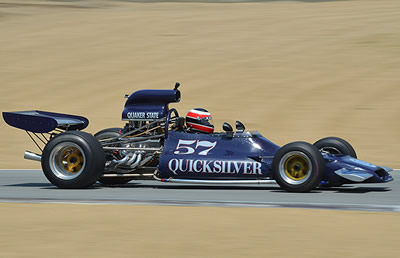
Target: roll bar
172,110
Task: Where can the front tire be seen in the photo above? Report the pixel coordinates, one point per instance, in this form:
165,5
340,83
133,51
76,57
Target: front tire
73,159
335,145
298,167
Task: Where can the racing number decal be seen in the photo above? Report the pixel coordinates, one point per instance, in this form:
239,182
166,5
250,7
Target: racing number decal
185,147
206,144
181,145
179,166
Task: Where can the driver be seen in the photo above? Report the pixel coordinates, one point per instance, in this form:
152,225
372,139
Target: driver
199,120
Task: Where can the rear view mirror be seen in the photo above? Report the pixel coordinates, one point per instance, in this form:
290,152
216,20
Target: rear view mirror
228,129
240,127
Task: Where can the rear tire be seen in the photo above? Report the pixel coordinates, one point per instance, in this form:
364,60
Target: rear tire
108,134
114,180
298,167
335,145
73,159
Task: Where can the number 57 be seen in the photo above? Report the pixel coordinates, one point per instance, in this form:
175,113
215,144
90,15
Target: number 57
186,145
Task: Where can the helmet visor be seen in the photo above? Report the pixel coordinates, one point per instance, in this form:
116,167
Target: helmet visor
207,121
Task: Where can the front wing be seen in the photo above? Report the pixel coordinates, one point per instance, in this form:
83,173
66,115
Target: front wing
347,170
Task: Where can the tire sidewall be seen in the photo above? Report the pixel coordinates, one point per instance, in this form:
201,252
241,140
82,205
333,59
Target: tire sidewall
317,163
109,132
341,145
94,160
114,180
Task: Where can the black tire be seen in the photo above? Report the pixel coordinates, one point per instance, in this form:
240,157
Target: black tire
73,159
335,145
108,133
105,134
298,167
114,180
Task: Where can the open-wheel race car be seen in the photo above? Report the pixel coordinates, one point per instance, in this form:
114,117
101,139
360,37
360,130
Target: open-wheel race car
157,143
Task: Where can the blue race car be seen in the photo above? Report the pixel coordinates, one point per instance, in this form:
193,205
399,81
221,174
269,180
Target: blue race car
156,142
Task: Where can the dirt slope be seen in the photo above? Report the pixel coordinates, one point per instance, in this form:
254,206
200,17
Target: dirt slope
61,230
293,70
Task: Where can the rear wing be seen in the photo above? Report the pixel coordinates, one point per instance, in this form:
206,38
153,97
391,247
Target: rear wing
44,122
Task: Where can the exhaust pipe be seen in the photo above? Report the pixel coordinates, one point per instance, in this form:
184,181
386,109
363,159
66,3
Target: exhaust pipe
131,160
32,156
139,158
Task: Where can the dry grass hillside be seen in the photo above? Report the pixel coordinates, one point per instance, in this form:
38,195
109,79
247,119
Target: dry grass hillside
65,230
294,70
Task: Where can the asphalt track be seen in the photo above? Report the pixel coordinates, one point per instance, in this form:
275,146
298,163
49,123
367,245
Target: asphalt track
32,187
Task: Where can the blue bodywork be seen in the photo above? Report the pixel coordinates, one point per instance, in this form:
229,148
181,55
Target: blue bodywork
149,104
43,122
343,169
194,155
249,156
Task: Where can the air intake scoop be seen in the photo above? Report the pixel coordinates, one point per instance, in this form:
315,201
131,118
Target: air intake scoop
149,104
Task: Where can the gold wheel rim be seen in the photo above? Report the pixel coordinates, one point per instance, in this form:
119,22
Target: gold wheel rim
67,160
72,160
296,167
